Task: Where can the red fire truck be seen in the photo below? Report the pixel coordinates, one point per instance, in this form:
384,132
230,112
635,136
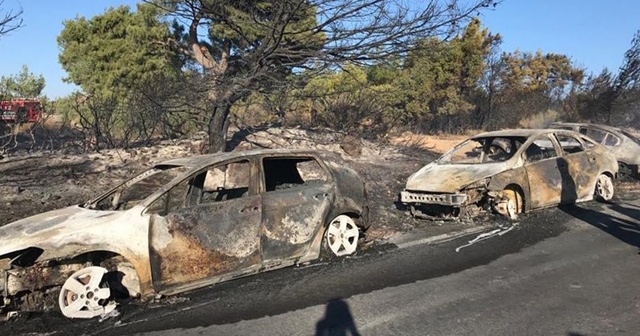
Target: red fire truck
20,110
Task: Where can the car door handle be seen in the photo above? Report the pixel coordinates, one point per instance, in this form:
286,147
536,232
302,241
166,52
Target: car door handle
250,208
323,195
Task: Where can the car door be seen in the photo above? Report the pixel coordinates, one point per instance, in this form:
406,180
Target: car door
297,197
580,165
542,164
207,226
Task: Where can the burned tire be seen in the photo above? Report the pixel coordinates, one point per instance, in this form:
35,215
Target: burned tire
341,236
604,188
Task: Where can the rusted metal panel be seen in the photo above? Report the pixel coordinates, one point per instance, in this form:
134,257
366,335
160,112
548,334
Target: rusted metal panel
546,183
205,241
292,218
38,276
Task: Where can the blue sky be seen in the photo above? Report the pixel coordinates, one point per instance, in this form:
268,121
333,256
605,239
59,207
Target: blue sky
594,33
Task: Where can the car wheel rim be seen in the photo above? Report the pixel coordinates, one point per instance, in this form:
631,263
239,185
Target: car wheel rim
84,294
342,236
604,187
515,201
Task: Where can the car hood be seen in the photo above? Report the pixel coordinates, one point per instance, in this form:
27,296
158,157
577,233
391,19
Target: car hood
49,226
449,178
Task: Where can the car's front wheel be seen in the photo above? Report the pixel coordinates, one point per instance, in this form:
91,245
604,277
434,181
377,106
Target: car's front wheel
604,188
85,294
342,235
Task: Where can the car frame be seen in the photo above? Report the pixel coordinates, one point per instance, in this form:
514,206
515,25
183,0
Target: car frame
520,182
624,145
134,241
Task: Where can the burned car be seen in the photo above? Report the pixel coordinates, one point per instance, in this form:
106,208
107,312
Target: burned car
183,224
624,146
510,172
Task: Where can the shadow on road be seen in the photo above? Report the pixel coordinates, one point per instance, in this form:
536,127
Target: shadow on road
337,320
621,221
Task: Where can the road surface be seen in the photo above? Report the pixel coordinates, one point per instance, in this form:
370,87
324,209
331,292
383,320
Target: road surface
570,271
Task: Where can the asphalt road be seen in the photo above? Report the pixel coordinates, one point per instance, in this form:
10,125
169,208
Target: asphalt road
569,271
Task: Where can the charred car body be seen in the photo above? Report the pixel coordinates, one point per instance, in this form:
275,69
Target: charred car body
624,146
512,171
183,224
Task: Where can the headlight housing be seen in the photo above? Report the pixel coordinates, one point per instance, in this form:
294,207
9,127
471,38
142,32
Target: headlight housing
482,183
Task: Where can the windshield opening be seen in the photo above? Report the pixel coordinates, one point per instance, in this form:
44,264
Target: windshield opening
137,189
631,136
484,150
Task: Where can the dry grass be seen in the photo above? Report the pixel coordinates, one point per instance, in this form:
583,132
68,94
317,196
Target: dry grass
435,143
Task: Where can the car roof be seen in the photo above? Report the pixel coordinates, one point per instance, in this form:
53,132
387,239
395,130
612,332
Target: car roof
520,132
600,126
207,159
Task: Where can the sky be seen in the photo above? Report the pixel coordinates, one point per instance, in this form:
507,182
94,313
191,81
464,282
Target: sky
593,33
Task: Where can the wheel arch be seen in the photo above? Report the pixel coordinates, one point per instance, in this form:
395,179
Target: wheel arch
610,174
517,188
109,258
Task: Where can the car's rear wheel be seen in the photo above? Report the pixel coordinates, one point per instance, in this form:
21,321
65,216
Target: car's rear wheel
85,294
604,188
341,236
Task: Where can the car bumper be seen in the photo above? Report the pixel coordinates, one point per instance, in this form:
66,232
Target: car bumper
412,197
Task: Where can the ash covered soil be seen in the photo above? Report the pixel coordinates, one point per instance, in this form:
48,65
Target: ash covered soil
35,182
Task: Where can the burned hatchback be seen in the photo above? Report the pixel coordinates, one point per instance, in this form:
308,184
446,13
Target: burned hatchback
181,225
510,172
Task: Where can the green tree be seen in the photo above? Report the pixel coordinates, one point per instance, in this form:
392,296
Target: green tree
127,73
118,49
627,80
243,46
354,100
440,77
533,83
25,84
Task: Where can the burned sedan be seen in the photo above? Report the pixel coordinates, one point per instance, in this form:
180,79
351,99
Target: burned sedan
624,145
510,172
181,225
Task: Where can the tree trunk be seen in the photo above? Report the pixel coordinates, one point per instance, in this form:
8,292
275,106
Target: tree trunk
218,127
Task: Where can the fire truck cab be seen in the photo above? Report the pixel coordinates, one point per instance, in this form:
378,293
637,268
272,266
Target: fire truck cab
20,110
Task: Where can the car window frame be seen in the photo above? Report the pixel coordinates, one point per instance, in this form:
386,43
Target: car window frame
261,180
556,147
137,178
609,134
253,191
576,136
